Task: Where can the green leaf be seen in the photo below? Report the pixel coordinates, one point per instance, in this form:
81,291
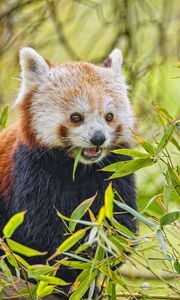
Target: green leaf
4,116
122,229
177,124
21,260
74,221
160,237
79,212
41,286
26,251
71,241
164,140
111,290
108,201
132,166
46,291
50,279
175,142
145,144
82,248
143,210
77,157
135,214
115,166
75,264
113,275
169,218
117,243
177,266
5,269
101,215
175,179
131,153
39,270
14,222
83,287
163,112
12,260
100,253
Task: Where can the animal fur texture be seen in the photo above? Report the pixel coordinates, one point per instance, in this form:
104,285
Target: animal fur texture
63,108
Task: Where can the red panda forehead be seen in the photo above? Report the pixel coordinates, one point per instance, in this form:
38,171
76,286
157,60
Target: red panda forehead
82,83
80,72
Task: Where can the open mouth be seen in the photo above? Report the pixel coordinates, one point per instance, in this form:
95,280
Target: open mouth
91,153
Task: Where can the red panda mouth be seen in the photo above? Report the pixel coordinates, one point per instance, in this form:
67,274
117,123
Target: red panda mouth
91,153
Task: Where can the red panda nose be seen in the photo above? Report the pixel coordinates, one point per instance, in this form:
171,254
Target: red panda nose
98,138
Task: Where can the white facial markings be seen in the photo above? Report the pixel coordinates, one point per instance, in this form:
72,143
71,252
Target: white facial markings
76,87
81,104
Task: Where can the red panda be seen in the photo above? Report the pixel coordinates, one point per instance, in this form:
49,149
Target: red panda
62,108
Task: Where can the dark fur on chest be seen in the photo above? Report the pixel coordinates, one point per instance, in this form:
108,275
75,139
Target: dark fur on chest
42,183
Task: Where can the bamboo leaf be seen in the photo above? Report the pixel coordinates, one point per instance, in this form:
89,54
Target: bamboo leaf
164,113
160,237
175,142
41,286
14,222
108,201
39,270
12,261
5,269
115,166
77,157
124,230
71,241
113,275
135,214
175,179
79,212
80,279
145,144
4,116
132,166
169,218
76,264
177,266
21,249
50,279
83,287
131,153
74,221
45,291
21,260
111,290
101,215
164,140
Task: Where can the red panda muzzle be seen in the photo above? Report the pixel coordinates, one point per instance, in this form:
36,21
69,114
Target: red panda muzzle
92,153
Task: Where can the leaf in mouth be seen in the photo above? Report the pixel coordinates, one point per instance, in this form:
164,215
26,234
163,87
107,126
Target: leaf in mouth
77,157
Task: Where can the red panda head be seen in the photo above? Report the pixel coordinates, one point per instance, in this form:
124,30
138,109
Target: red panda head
74,105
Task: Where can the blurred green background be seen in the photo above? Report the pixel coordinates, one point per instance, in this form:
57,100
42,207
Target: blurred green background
147,31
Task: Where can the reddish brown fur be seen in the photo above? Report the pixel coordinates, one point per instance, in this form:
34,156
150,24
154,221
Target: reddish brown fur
26,132
63,132
9,138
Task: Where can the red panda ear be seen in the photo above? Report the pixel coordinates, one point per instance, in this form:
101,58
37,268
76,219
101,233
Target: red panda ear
114,61
35,71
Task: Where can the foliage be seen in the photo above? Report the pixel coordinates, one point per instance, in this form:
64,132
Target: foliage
102,244
147,33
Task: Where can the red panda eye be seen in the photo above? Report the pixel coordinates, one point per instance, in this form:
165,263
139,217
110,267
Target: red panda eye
76,118
109,117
